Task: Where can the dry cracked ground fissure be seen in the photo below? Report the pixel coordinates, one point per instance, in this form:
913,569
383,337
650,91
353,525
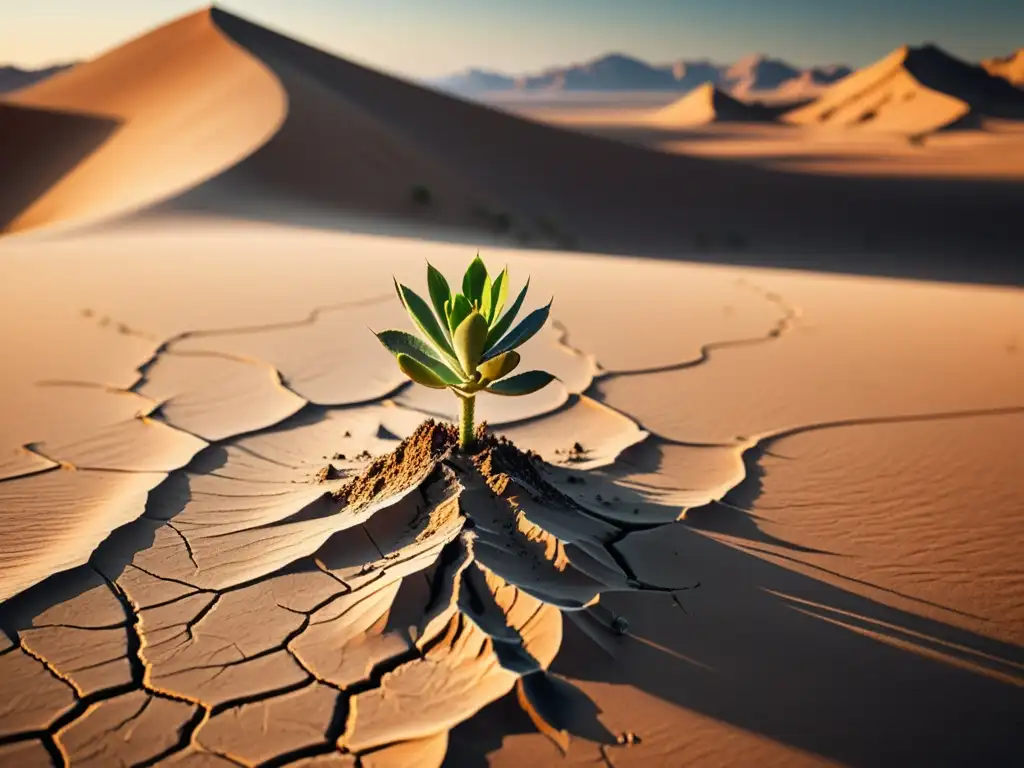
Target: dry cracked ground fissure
307,579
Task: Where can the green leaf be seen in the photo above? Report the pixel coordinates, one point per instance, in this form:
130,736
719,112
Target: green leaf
460,311
498,329
485,300
523,384
522,333
424,319
499,367
499,293
473,280
470,338
419,373
402,343
439,292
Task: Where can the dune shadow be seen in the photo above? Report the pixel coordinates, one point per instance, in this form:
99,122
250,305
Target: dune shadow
38,147
604,196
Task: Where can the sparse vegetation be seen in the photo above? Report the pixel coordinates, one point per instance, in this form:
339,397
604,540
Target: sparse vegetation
502,223
421,195
466,345
550,229
736,241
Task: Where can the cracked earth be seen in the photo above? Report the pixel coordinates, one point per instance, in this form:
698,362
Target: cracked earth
234,536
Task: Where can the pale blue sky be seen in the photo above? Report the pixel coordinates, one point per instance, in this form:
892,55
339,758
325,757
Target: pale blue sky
424,38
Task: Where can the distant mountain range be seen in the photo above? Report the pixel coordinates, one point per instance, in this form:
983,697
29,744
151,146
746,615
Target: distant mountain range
618,72
15,78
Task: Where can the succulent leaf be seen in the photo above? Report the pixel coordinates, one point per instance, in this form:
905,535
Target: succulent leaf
470,338
498,367
460,311
522,332
498,329
485,300
419,373
402,343
424,319
499,294
440,293
473,280
522,384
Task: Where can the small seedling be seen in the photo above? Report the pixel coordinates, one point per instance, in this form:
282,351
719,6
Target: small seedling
466,345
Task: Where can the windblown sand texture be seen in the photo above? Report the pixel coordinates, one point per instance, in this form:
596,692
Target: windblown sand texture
765,517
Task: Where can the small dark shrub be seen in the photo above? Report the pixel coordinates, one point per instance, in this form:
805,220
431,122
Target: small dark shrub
421,195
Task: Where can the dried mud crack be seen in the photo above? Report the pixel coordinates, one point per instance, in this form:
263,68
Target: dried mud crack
371,610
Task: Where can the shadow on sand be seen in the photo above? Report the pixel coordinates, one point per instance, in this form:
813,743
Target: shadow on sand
794,659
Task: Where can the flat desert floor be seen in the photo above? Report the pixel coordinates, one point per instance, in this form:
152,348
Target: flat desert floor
773,516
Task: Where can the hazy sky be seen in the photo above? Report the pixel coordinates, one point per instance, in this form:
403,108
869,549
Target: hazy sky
422,38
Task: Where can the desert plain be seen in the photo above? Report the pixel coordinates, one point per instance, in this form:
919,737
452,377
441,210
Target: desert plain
775,506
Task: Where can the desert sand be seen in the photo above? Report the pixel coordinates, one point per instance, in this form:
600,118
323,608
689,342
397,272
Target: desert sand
1010,68
771,516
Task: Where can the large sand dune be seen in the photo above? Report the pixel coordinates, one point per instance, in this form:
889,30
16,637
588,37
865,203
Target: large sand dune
228,538
313,136
188,104
914,91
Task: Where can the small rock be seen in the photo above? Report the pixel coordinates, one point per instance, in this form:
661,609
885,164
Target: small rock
327,473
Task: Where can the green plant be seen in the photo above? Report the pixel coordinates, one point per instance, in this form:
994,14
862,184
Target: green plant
421,194
466,344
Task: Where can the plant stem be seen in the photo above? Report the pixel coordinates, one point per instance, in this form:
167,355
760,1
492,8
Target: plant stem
466,422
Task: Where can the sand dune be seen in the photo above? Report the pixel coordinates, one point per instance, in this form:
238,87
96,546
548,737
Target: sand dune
706,105
914,91
1010,68
184,88
316,137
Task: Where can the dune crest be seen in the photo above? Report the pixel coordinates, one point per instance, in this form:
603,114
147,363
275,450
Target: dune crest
1010,68
187,103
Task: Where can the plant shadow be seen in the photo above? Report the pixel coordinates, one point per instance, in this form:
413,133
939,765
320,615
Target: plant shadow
794,658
